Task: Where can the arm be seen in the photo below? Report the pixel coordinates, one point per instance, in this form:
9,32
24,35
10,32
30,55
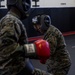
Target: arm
10,35
41,72
8,38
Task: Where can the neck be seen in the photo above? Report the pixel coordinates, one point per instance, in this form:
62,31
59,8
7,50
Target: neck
15,12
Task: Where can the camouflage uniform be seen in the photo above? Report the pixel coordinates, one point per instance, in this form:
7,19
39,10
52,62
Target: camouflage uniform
12,37
59,62
41,72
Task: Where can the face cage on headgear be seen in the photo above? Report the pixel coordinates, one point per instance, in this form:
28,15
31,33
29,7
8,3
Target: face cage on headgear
22,5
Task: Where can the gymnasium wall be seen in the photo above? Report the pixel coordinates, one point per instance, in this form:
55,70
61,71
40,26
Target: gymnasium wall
62,18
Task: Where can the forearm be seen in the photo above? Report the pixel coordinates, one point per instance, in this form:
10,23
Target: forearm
41,72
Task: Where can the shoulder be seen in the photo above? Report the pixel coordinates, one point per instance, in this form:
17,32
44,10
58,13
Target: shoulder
55,29
8,18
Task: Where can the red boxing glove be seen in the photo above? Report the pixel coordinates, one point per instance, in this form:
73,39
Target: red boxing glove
38,50
42,49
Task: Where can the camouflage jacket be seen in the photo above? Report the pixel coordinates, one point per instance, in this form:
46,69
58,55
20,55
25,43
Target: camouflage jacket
12,37
59,62
60,57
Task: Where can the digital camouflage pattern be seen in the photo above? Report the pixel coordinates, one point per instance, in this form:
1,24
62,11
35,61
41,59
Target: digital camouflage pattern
12,37
41,72
59,61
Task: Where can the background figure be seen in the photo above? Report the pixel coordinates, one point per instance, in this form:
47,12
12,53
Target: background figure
59,62
14,47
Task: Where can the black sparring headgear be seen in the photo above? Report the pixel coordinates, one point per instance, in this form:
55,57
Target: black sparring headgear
43,20
22,5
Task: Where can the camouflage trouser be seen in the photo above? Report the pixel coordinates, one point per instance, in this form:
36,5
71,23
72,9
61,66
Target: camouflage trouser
41,72
63,71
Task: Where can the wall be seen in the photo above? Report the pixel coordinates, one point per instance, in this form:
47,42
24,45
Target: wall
62,18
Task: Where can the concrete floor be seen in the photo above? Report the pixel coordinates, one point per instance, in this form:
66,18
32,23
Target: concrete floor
70,41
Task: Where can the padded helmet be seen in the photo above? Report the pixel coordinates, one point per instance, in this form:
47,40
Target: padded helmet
22,5
43,20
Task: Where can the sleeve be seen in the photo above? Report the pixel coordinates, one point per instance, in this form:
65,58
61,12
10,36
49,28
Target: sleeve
9,36
41,72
